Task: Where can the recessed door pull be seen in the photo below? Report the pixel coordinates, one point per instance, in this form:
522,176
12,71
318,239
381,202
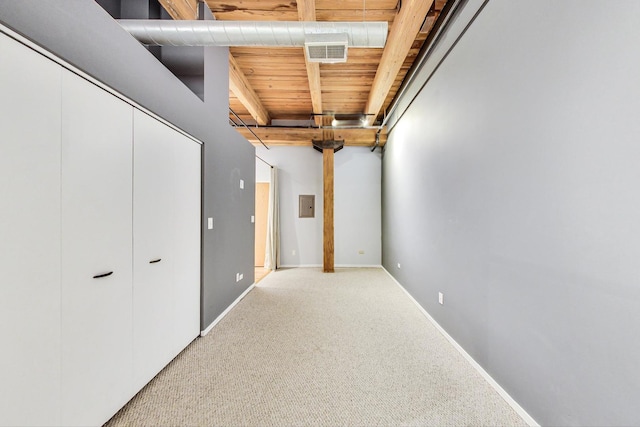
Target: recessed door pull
155,260
103,275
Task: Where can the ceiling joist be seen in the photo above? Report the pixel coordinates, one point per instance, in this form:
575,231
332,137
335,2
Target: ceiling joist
307,12
181,9
405,27
242,89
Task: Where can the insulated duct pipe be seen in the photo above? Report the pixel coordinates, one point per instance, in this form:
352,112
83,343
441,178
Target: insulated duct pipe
251,33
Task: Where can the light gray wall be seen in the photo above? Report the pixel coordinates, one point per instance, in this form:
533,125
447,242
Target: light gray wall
263,171
511,184
357,210
357,217
299,172
229,247
83,34
228,158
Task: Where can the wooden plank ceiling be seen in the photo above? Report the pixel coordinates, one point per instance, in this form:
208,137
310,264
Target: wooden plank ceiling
272,86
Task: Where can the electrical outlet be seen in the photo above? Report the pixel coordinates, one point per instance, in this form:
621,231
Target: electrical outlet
441,298
238,277
241,276
253,219
398,265
242,184
210,223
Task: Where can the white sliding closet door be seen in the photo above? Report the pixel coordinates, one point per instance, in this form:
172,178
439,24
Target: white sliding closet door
99,244
29,236
166,242
186,237
96,241
153,254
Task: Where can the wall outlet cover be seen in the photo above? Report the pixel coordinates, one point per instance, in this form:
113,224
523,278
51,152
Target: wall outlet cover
440,297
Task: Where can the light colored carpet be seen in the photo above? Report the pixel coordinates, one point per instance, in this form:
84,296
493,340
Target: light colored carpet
307,348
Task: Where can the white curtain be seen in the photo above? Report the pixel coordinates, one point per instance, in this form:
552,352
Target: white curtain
272,252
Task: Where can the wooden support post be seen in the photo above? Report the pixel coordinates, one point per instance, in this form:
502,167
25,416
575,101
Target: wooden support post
327,163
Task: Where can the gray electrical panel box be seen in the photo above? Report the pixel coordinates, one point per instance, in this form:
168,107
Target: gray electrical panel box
307,205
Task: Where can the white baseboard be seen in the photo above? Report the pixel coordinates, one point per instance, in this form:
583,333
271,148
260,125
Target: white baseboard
224,313
300,266
358,266
502,392
336,266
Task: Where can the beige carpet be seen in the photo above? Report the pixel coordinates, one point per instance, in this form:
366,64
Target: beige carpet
307,348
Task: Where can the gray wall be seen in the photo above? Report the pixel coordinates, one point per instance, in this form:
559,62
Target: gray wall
83,34
511,184
356,205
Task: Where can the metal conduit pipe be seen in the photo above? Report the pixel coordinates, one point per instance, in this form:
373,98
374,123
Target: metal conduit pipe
248,128
251,33
377,142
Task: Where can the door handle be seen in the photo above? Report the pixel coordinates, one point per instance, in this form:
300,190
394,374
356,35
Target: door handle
98,276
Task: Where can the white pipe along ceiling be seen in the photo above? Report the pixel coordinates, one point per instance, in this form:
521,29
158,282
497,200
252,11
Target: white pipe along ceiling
251,33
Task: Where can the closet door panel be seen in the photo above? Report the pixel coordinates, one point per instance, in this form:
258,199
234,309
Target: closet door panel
30,236
187,241
153,247
96,241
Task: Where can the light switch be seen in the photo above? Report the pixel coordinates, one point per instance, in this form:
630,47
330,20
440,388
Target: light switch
253,219
242,184
210,223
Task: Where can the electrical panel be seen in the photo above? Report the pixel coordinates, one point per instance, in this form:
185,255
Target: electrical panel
307,205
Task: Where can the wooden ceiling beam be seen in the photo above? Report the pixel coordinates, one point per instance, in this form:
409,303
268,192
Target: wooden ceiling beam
307,12
245,93
313,71
403,32
284,136
238,83
181,9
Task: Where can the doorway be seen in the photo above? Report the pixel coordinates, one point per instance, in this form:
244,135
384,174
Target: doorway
261,217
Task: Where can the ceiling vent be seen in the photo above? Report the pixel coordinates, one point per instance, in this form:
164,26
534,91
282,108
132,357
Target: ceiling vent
327,48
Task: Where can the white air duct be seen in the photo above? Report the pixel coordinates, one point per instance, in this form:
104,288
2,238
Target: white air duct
251,33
